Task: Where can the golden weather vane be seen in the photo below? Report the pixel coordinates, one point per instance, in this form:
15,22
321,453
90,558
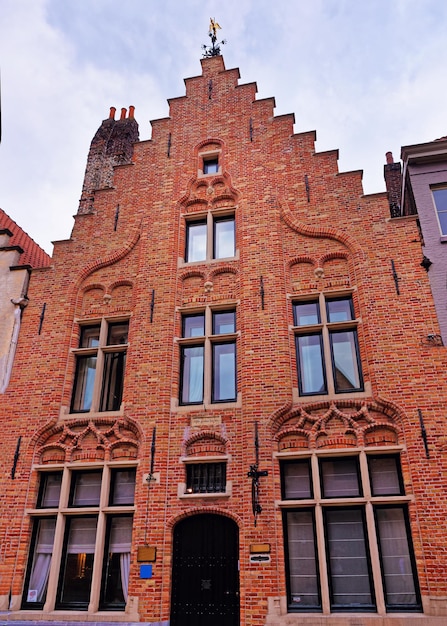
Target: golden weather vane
214,26
214,49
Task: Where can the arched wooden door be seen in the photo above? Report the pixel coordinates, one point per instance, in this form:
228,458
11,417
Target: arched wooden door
205,572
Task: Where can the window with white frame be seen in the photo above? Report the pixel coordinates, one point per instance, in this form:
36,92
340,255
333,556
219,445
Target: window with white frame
326,345
210,236
208,357
91,512
100,364
347,535
440,200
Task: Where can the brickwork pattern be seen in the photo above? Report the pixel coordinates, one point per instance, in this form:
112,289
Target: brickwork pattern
303,227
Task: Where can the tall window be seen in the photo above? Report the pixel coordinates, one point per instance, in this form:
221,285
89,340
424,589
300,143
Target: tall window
440,199
347,535
208,357
94,518
210,237
326,346
100,363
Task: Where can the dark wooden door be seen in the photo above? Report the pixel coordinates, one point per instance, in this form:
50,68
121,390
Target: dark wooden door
205,572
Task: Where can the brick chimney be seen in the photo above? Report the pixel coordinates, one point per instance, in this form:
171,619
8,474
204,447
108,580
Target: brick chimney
112,145
392,172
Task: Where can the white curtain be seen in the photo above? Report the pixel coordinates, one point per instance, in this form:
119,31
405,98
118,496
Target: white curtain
39,578
120,540
82,535
125,566
42,560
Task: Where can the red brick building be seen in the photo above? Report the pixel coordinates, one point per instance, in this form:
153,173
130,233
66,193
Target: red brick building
224,408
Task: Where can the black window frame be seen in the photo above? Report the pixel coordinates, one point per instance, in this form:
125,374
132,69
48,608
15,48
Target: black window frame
190,223
114,472
396,608
216,377
63,543
396,458
340,459
324,389
327,330
72,605
370,532
209,344
75,474
43,479
205,474
105,605
338,608
38,605
291,605
219,219
439,208
296,304
183,386
290,462
210,165
107,387
361,387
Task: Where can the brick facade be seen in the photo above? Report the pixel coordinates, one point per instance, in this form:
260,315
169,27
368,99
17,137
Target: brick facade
302,229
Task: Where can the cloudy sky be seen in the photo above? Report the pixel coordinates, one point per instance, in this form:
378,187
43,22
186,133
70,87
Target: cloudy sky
368,75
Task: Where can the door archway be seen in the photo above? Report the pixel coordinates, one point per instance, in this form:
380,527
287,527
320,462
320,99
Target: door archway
205,572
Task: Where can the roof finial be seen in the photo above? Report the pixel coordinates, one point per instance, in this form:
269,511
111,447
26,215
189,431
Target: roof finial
214,49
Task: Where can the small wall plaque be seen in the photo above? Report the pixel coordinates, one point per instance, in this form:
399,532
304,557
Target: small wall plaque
147,554
259,548
259,558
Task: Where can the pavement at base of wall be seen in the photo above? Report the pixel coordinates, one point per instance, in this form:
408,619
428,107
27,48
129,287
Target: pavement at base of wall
7,620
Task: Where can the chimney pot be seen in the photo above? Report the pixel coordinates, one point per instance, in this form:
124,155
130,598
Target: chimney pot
112,113
389,158
131,112
123,114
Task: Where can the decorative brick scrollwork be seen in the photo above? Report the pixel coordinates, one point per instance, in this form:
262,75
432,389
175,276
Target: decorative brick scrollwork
342,425
102,439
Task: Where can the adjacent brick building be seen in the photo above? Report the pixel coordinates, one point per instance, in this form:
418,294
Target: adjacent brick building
224,409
